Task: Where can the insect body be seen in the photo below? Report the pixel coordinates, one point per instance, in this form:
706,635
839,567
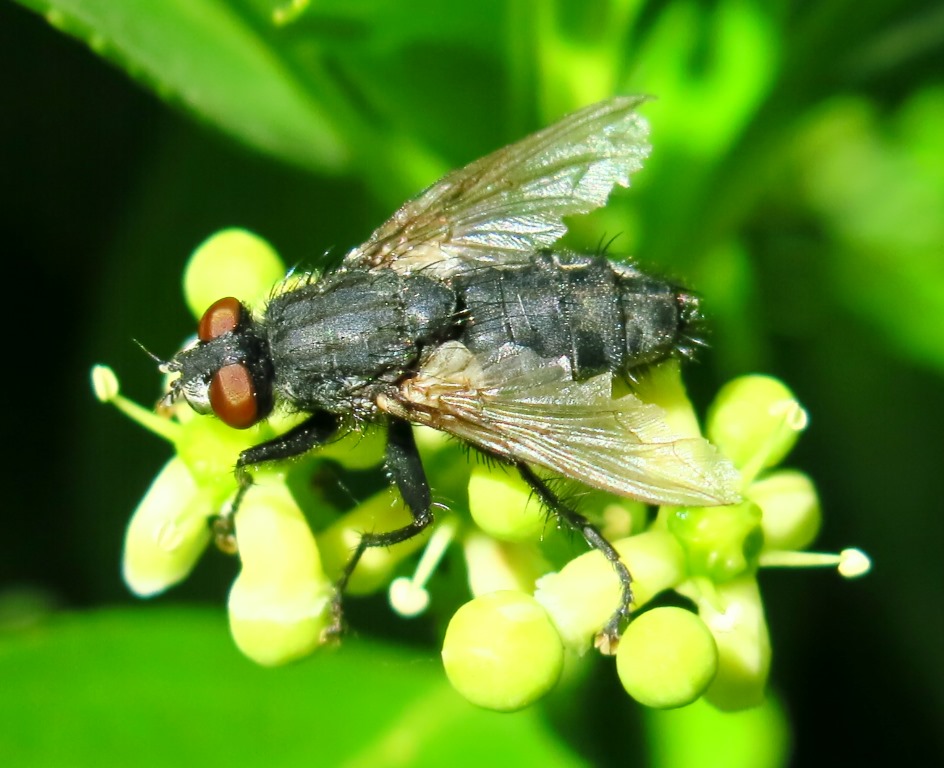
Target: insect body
456,315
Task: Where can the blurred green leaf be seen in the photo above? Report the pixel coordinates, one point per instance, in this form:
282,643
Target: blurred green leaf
693,60
700,736
155,686
212,58
340,84
877,185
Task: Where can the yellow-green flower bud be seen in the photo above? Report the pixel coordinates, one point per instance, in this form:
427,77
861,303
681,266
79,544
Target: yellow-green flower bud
232,262
734,612
666,658
755,421
210,449
583,595
502,652
504,506
384,511
719,542
790,507
494,566
280,604
662,385
167,533
356,450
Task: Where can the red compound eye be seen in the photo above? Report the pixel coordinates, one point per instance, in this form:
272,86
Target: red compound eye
222,317
233,396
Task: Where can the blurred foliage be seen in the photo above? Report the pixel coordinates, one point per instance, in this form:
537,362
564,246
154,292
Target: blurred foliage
797,182
236,713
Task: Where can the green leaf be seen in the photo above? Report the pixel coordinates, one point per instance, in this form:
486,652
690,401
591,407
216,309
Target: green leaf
877,185
700,736
164,686
216,60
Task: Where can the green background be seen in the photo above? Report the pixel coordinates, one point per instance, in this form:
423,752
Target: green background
797,182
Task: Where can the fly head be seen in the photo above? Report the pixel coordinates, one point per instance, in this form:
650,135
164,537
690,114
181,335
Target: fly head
227,370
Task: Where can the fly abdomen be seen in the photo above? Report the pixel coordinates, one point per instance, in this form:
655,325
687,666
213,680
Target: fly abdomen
602,316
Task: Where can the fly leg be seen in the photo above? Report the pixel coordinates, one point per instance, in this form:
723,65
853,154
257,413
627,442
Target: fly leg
312,432
608,639
406,469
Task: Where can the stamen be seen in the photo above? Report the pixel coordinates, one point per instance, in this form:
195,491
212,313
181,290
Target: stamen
408,596
106,388
793,418
851,563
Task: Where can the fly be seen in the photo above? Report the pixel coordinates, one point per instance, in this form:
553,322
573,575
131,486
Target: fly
457,315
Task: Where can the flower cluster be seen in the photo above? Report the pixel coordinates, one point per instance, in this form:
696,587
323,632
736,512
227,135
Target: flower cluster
534,602
668,656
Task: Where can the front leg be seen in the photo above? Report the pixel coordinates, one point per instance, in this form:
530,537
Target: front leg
314,431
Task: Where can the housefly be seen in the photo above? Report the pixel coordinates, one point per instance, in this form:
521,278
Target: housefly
457,315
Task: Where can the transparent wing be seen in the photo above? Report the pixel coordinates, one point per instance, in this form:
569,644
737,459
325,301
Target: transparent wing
502,208
527,409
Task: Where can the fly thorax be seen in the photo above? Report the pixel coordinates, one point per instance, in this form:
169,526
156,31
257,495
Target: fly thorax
338,343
